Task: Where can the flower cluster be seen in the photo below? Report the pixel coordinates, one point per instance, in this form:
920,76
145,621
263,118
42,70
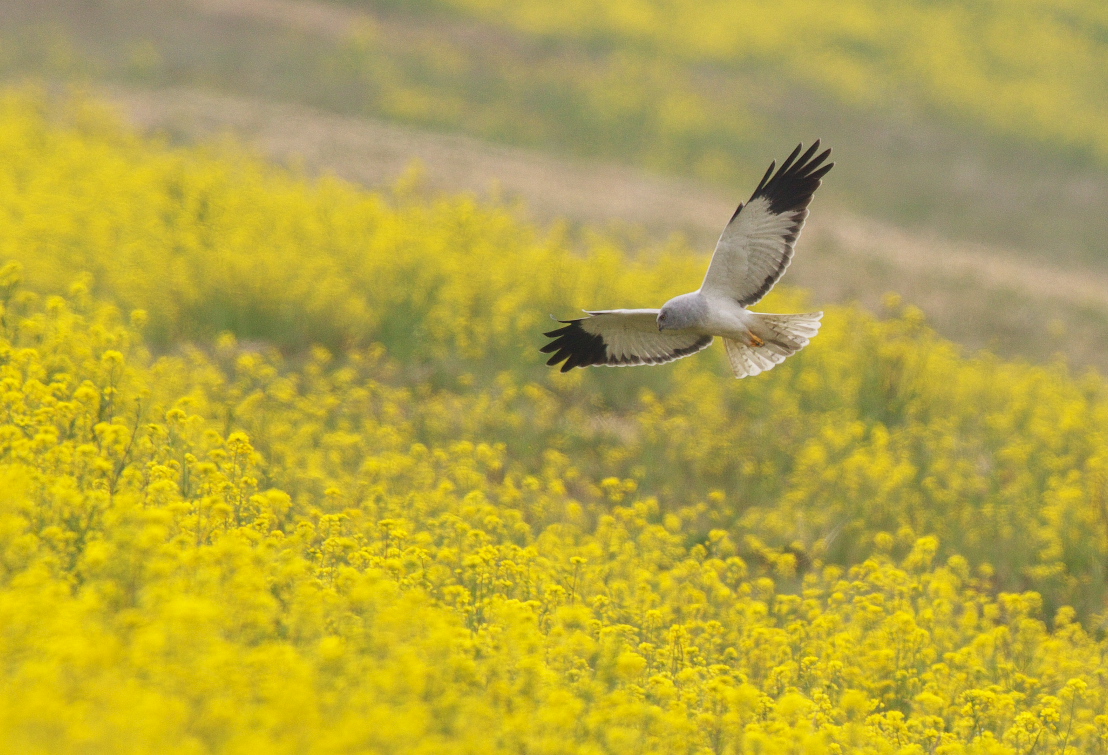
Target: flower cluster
412,538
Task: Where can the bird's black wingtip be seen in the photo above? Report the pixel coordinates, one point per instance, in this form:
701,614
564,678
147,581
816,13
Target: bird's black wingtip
574,346
790,188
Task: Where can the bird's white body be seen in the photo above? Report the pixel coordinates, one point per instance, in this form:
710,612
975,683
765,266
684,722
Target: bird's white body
713,315
753,252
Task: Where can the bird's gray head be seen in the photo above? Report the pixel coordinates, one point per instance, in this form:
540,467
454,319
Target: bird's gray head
681,312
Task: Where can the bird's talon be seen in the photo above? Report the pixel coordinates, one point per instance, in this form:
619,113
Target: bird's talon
755,341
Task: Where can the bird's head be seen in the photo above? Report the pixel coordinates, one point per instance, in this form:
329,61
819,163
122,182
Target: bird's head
681,312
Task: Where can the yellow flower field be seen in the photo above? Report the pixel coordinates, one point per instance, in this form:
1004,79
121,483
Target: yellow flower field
1024,68
282,471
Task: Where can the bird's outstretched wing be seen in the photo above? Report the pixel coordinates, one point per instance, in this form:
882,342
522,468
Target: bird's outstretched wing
757,245
618,338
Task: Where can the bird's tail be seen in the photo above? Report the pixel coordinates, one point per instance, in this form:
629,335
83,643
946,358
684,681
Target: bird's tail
775,337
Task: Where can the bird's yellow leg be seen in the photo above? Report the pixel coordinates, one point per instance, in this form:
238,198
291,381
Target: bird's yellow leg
755,341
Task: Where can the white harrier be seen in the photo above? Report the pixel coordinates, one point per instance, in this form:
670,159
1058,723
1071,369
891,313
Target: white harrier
753,252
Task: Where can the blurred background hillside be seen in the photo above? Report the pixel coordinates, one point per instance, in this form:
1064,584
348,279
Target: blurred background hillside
971,137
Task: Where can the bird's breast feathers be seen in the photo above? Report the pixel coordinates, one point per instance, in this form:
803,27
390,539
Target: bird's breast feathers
724,317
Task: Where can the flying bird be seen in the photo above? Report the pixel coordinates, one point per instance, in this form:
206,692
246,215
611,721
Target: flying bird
750,256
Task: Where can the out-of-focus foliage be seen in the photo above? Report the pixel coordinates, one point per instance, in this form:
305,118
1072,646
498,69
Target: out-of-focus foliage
923,134
1031,68
420,540
241,246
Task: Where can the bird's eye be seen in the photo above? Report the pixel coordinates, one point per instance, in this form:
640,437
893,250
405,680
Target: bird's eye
662,316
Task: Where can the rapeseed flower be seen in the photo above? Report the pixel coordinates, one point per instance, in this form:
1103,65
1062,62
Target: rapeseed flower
316,493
